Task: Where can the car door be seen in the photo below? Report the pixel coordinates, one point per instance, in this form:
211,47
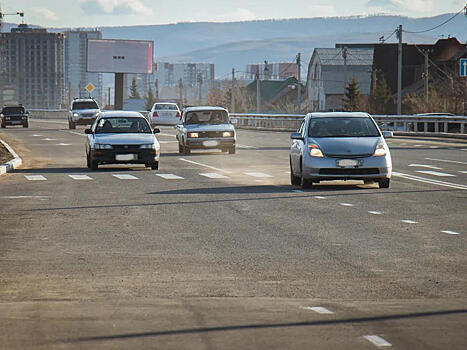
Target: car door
296,149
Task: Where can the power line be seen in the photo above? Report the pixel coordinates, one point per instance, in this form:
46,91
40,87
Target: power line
439,25
383,39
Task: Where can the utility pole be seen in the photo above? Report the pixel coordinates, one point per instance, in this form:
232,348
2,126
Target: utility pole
232,106
344,56
399,71
299,86
258,91
426,75
108,97
157,89
180,90
200,84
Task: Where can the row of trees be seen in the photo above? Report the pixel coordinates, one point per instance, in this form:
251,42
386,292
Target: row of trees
135,95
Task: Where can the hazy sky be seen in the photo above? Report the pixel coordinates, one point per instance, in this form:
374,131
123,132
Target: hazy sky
97,13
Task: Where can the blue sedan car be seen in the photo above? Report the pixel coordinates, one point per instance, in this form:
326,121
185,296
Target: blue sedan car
340,146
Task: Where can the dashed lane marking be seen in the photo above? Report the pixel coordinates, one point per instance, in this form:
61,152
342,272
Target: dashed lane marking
435,173
258,174
170,176
245,146
163,134
165,142
25,197
429,181
346,204
318,309
49,139
417,146
214,176
125,176
76,133
406,221
319,197
35,177
463,172
298,191
450,232
36,135
63,144
447,161
374,212
80,177
205,165
425,166
377,340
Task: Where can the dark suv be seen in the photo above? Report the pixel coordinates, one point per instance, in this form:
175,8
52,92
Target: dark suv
14,115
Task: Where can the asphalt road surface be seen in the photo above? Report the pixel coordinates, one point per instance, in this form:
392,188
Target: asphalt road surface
218,251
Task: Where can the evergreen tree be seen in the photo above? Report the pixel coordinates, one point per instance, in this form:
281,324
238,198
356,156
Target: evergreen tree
134,94
381,97
352,96
150,99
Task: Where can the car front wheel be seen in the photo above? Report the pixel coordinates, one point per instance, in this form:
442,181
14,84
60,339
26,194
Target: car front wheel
71,125
384,183
294,180
94,164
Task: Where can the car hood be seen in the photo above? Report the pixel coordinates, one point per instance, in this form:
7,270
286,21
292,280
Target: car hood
86,111
209,127
125,139
350,146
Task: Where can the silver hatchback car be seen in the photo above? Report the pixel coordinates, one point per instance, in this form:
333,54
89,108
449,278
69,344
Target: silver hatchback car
339,146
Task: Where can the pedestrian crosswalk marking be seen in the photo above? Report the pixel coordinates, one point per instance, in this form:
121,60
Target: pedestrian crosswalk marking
170,176
80,177
214,176
125,177
35,177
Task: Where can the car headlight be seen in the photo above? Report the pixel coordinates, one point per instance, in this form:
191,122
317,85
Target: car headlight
315,151
227,134
102,146
148,146
75,115
193,135
380,150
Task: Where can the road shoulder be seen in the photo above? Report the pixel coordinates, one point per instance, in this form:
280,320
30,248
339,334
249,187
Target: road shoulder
9,160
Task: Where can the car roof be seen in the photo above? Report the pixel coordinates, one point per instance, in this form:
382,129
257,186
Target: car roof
125,114
339,115
204,108
84,100
165,103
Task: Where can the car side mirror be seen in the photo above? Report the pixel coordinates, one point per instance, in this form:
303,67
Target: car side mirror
296,136
234,121
157,130
88,131
388,134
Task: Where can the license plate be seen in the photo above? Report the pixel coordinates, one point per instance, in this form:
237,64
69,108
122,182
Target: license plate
125,157
210,143
347,163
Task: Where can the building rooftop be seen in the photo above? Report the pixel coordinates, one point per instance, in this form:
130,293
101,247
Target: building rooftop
355,57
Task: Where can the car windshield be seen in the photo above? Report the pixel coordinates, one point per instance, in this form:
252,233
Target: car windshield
166,106
122,125
342,127
13,110
207,117
85,105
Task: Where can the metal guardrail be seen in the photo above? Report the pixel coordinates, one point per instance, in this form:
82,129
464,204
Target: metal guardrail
401,124
398,123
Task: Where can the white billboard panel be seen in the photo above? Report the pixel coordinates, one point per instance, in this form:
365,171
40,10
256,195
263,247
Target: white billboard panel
120,56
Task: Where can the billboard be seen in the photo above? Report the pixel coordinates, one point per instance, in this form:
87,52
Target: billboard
119,56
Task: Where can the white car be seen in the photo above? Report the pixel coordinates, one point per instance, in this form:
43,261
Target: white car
164,113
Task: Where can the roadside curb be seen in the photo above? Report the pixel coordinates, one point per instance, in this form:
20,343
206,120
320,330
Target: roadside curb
12,164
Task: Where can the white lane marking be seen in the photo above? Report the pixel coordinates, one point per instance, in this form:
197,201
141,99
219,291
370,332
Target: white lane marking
447,161
463,149
50,121
49,139
430,181
318,309
170,176
435,173
214,176
63,144
35,177
425,166
76,133
258,174
375,212
298,191
346,204
164,142
23,197
36,135
451,232
125,176
463,172
406,221
319,197
417,146
205,165
376,340
245,146
80,177
162,134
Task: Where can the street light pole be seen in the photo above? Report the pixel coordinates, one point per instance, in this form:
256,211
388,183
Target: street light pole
299,86
258,91
399,71
232,106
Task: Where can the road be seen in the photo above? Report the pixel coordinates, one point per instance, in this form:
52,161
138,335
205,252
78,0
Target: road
217,251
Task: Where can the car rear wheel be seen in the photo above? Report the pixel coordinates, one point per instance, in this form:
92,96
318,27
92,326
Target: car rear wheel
294,180
186,150
180,149
71,125
25,125
232,150
384,183
88,162
153,166
94,164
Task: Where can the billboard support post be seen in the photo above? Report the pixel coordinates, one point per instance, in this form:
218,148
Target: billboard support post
118,92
